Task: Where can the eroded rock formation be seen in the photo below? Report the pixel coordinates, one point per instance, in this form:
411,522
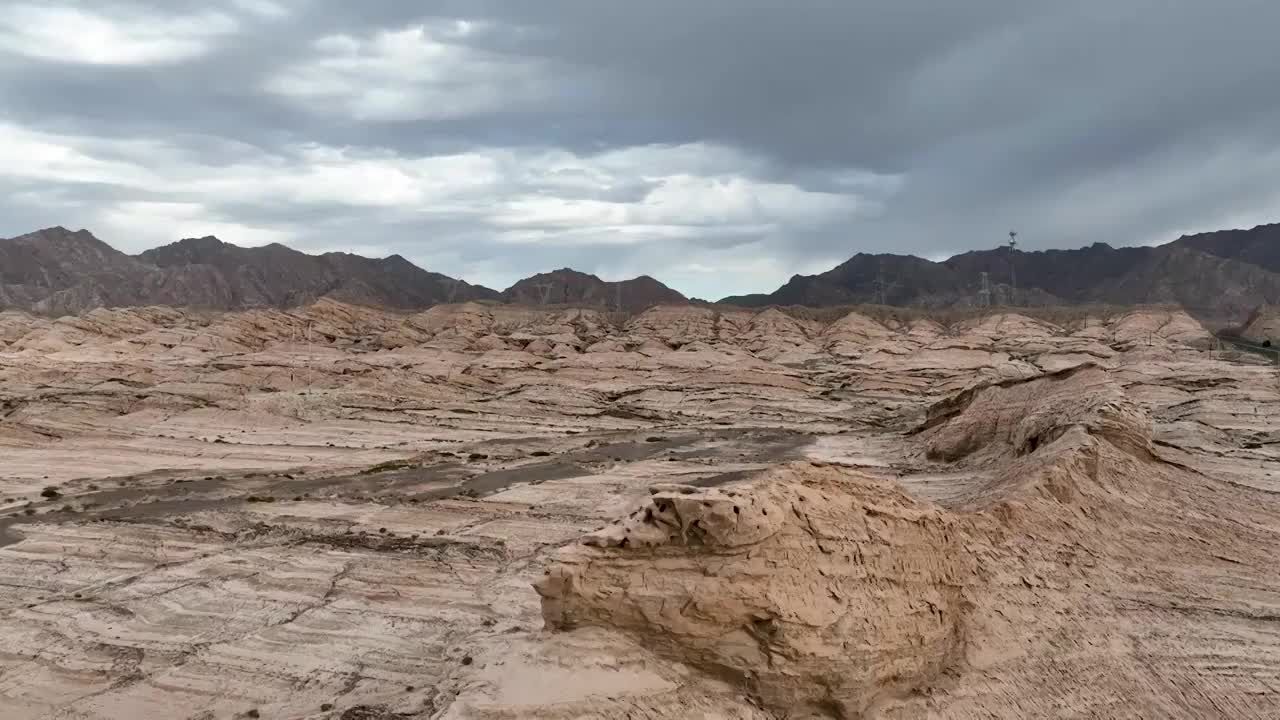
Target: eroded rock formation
827,592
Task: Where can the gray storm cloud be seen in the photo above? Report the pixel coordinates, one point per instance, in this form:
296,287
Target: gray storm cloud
720,146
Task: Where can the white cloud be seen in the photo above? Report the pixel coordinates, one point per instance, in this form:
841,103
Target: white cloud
682,209
32,155
261,8
420,72
678,206
138,225
70,34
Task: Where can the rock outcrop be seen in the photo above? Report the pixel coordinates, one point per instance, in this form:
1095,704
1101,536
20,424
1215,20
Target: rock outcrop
829,593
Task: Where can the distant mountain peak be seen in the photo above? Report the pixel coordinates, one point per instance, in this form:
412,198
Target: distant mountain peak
58,271
569,286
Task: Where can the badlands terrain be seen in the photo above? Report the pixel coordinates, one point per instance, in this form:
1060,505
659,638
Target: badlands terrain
493,511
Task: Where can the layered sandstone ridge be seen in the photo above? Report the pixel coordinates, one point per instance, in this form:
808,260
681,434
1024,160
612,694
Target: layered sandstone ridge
827,592
337,513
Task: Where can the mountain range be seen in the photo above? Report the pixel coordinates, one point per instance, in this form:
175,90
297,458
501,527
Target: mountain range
1222,274
1218,274
58,271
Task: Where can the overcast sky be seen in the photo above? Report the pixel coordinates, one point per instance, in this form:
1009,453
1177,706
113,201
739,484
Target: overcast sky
718,145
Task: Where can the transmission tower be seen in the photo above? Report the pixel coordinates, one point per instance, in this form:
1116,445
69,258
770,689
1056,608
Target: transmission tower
1013,268
546,291
882,287
453,290
984,294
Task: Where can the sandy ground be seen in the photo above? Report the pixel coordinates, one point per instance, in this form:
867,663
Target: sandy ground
207,516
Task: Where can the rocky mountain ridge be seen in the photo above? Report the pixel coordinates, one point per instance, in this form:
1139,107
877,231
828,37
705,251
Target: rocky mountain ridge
1220,276
570,287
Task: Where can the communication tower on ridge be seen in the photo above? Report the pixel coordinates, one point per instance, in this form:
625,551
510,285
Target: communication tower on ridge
1013,269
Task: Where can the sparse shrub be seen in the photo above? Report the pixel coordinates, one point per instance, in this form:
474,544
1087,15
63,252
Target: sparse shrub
50,492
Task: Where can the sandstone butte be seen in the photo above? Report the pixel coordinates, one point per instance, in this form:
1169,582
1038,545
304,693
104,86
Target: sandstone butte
490,512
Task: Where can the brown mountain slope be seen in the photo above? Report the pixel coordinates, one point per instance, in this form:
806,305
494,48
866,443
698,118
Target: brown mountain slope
567,286
279,276
1258,246
1208,285
57,271
1219,275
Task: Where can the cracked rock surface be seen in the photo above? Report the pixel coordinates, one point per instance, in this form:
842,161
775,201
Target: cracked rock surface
482,512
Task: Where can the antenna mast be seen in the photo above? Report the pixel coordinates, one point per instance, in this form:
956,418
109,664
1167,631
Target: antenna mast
1013,269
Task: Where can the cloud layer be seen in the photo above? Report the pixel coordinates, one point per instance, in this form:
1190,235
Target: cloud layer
720,146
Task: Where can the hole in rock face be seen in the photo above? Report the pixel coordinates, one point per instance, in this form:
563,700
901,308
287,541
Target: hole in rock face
736,510
765,627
